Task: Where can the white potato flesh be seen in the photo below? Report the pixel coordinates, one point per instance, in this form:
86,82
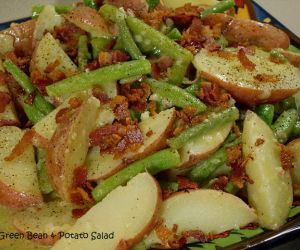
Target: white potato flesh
173,4
49,51
102,166
18,177
209,211
9,115
49,219
202,146
129,212
46,21
294,147
7,43
271,192
69,146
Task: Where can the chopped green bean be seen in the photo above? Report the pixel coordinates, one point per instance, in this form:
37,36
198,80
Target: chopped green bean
231,188
135,115
152,4
99,44
174,34
109,12
222,41
266,112
159,161
169,185
60,9
177,96
220,7
83,52
221,170
100,76
296,130
44,183
289,103
193,88
33,114
214,120
41,104
284,125
275,53
91,4
294,49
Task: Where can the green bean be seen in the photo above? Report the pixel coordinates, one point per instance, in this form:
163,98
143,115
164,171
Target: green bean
275,53
135,115
231,188
222,41
83,52
221,170
91,4
294,49
152,4
220,7
148,39
201,172
284,125
214,120
99,44
266,112
193,88
159,161
174,34
177,96
60,9
289,103
44,183
109,12
24,81
169,185
33,114
296,130
100,76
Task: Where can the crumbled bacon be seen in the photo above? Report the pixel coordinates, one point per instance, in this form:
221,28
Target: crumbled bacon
184,15
155,18
21,61
159,68
245,60
119,104
184,183
52,66
79,212
189,116
75,102
196,234
5,99
262,78
286,158
79,176
152,108
93,65
8,123
100,95
163,233
212,94
30,99
192,38
106,58
236,130
136,96
40,81
21,146
259,142
221,183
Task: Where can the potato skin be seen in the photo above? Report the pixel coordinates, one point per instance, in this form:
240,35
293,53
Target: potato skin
294,147
271,192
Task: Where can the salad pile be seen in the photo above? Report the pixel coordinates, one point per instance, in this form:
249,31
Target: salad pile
145,124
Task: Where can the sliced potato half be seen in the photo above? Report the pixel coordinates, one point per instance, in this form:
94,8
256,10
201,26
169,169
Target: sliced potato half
294,147
19,186
9,116
209,211
126,215
271,192
268,82
155,131
48,219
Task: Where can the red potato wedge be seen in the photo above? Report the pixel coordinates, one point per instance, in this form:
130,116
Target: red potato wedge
46,220
89,20
7,43
271,192
268,82
292,57
103,166
18,178
173,4
294,147
206,210
8,115
202,146
69,146
128,213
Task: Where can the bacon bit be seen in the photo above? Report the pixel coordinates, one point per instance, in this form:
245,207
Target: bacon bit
163,233
159,68
63,115
155,18
40,81
245,61
212,94
51,67
265,78
286,158
75,102
234,154
40,140
275,59
250,226
149,133
249,50
106,58
196,234
221,183
30,99
152,108
5,99
100,95
166,193
226,54
192,39
184,183
79,196
120,106
259,142
21,61
183,16
21,146
136,96
236,130
79,177
79,212
211,237
8,123
177,131
93,65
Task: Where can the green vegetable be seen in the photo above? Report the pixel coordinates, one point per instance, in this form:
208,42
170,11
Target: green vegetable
266,112
135,115
296,130
193,88
174,34
44,183
169,185
177,96
294,49
214,120
149,39
231,188
119,45
159,161
152,4
277,54
220,7
222,41
221,170
83,52
100,76
289,103
24,81
284,125
32,112
91,4
99,44
60,9
109,12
